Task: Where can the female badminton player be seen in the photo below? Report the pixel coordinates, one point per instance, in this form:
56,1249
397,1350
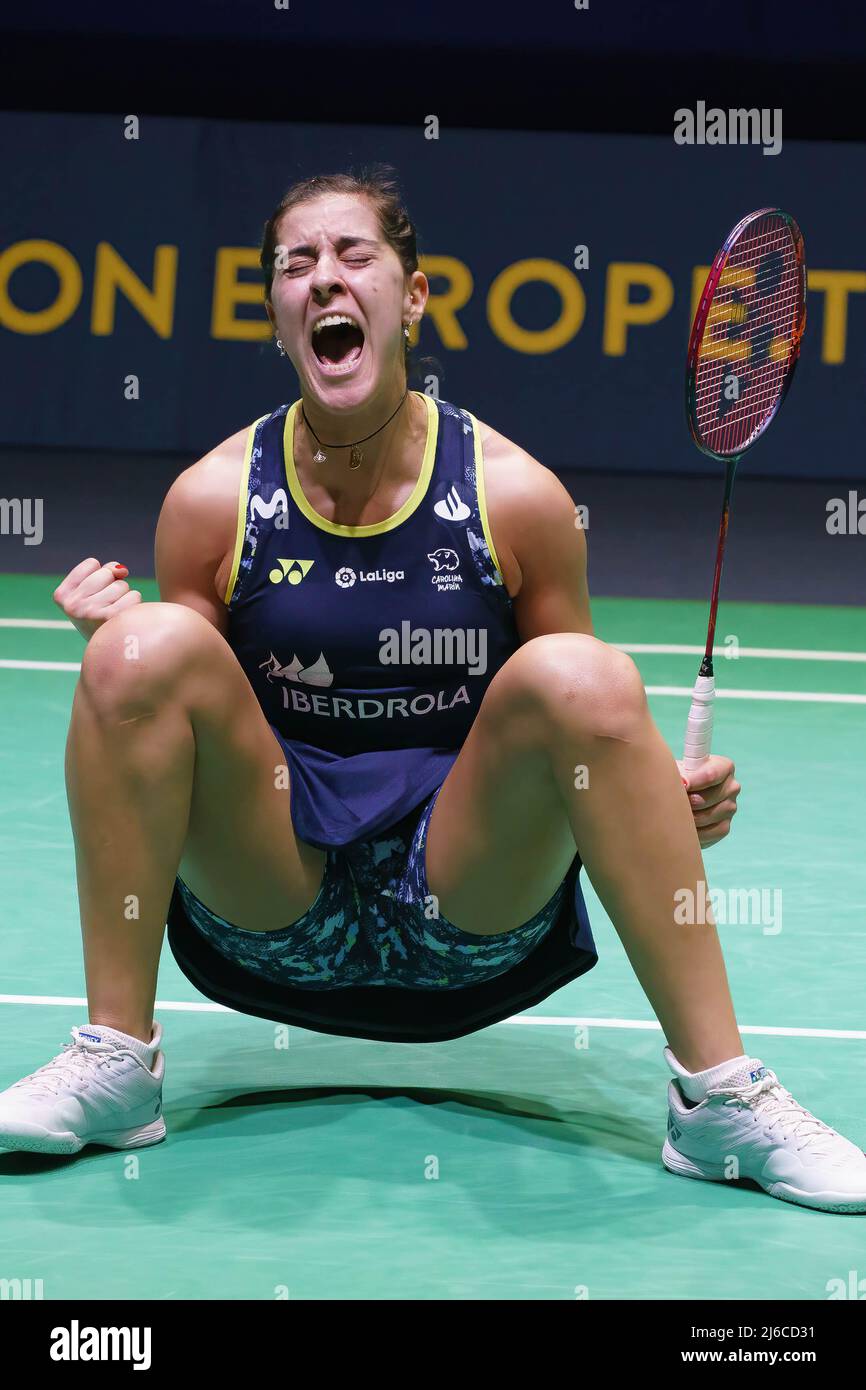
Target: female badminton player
368,728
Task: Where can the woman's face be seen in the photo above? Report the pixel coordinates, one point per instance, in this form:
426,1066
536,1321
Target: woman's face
331,260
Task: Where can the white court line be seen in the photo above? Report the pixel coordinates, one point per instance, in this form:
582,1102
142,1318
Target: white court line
40,665
539,1020
684,691
773,653
801,696
647,648
55,623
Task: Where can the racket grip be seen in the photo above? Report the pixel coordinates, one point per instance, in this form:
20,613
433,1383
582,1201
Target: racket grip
699,729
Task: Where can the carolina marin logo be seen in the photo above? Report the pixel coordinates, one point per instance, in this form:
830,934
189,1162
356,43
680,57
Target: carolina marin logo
77,1343
733,127
346,576
445,576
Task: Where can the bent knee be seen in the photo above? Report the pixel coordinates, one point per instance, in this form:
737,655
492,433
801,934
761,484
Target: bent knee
572,680
143,654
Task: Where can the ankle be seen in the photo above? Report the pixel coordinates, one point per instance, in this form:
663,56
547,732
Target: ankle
133,1028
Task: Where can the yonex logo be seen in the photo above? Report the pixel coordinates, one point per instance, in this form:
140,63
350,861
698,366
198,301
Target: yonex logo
294,571
452,507
91,1037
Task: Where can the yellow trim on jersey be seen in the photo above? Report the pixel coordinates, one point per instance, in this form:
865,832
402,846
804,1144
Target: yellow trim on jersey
243,489
482,496
375,528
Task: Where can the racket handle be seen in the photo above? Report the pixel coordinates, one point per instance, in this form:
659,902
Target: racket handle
699,729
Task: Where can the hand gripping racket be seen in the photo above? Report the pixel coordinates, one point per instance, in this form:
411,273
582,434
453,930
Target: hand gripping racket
743,349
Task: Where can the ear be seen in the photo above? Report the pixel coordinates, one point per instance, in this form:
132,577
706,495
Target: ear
269,309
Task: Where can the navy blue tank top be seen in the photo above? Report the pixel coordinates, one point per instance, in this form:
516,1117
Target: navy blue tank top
369,648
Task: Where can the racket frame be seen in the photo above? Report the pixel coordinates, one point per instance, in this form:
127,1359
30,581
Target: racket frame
696,336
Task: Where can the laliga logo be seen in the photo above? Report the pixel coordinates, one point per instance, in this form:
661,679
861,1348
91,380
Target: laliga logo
345,577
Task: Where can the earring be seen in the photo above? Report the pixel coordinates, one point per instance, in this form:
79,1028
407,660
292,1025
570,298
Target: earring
280,349
406,330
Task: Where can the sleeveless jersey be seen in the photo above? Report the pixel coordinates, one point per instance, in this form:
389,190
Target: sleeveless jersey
369,648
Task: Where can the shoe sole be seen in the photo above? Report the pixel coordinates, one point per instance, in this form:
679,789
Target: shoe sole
713,1172
41,1141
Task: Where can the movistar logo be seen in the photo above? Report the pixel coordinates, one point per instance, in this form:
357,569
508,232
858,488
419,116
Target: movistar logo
278,503
294,571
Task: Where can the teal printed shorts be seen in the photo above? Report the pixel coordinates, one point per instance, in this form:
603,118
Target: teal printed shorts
374,922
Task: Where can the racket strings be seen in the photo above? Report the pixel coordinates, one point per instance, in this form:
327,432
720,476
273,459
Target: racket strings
749,338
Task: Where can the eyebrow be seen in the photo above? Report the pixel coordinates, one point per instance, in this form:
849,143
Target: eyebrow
341,243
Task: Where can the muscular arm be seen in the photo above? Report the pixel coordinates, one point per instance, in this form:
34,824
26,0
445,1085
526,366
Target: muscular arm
541,551
195,533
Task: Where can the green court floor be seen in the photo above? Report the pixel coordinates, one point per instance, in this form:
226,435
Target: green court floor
521,1162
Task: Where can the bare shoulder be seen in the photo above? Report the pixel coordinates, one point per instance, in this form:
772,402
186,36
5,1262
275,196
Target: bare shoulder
198,522
525,501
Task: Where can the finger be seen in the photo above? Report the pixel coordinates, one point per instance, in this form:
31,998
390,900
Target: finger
726,811
712,837
74,578
101,579
128,600
103,602
702,801
712,773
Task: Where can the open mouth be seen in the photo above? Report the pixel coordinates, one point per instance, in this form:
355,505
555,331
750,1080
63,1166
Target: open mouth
338,342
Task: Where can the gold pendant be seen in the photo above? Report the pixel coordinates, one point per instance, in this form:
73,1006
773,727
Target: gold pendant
357,458
319,457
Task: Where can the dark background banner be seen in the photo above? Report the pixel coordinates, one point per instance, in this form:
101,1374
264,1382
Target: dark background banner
186,201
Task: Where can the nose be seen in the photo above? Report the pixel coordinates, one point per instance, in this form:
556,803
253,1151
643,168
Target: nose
326,279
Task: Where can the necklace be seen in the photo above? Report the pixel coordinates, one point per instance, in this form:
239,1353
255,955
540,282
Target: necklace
356,457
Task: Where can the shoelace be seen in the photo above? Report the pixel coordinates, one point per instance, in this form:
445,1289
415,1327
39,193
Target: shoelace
769,1098
76,1059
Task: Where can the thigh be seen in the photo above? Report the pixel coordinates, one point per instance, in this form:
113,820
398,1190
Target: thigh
241,856
499,840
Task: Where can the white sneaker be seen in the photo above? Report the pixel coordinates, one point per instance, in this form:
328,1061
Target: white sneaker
775,1141
98,1090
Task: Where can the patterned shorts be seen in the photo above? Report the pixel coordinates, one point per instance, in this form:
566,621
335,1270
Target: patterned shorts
374,922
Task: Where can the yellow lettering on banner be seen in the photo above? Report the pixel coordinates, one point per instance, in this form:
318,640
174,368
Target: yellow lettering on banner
534,341
229,291
113,274
699,279
443,308
835,285
621,313
68,272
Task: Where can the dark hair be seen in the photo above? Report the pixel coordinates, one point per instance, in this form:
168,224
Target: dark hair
378,184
